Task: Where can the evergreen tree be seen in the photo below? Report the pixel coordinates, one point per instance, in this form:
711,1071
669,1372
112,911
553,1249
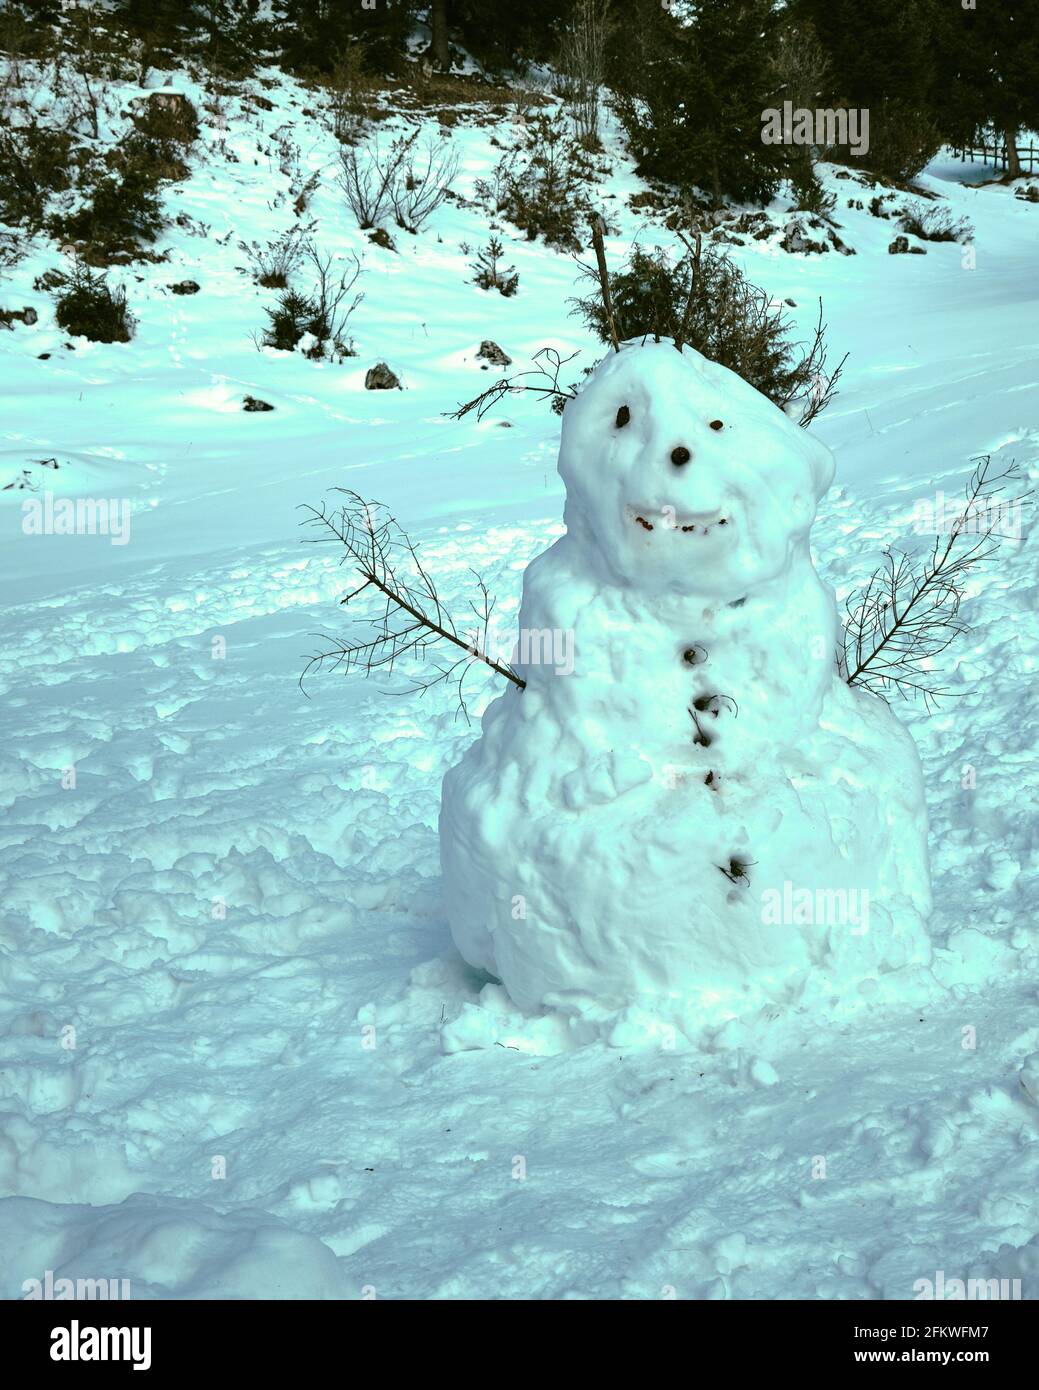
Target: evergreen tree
36,11
226,33
692,95
158,20
989,72
503,37
882,60
314,35
880,51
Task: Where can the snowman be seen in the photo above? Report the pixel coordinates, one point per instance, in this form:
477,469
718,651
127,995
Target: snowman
695,812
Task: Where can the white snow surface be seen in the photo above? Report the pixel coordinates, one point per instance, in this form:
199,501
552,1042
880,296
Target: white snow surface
239,1052
627,827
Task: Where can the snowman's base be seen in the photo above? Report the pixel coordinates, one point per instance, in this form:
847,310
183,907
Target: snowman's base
802,882
493,1021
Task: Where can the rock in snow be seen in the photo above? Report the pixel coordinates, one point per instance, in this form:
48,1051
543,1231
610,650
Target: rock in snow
11,316
900,247
492,353
693,806
381,378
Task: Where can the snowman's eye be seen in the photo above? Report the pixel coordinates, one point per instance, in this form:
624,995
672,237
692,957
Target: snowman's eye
717,424
623,416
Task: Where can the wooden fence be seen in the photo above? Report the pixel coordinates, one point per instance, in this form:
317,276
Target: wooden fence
996,154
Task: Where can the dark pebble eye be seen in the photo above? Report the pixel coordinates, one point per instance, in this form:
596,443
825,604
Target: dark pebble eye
717,424
623,416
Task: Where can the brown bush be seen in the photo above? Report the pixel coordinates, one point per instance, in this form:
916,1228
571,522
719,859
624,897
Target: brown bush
166,116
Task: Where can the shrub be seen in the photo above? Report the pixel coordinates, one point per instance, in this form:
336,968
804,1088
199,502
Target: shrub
88,307
367,178
290,163
151,159
543,191
402,181
168,117
273,264
123,209
422,183
349,89
491,193
323,314
902,140
934,224
490,274
292,317
34,162
707,302
12,249
809,194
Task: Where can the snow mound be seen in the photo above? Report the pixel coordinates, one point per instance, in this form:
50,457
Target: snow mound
165,1248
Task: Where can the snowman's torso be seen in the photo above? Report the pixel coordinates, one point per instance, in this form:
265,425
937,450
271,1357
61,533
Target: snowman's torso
678,675
685,801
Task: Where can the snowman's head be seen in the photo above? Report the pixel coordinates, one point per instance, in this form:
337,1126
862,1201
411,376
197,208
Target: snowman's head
680,476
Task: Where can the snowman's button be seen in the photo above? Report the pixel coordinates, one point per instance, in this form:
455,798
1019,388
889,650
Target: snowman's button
694,655
680,456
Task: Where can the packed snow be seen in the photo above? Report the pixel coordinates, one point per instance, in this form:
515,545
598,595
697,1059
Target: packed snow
241,1054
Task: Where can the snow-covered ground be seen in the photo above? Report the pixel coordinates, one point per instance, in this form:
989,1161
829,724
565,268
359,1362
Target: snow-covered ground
239,1055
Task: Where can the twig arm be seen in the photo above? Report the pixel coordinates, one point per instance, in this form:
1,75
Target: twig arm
412,617
427,622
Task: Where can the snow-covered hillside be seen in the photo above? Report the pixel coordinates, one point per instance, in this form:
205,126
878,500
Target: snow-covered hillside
239,1054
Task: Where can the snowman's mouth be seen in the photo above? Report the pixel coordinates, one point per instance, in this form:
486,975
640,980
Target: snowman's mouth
667,519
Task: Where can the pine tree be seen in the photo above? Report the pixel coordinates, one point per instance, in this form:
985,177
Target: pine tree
491,274
989,72
158,19
882,60
507,37
314,35
692,95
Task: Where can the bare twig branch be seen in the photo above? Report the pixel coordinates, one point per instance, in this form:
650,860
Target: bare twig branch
604,278
332,286
369,177
824,388
411,619
546,384
907,615
694,282
422,184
